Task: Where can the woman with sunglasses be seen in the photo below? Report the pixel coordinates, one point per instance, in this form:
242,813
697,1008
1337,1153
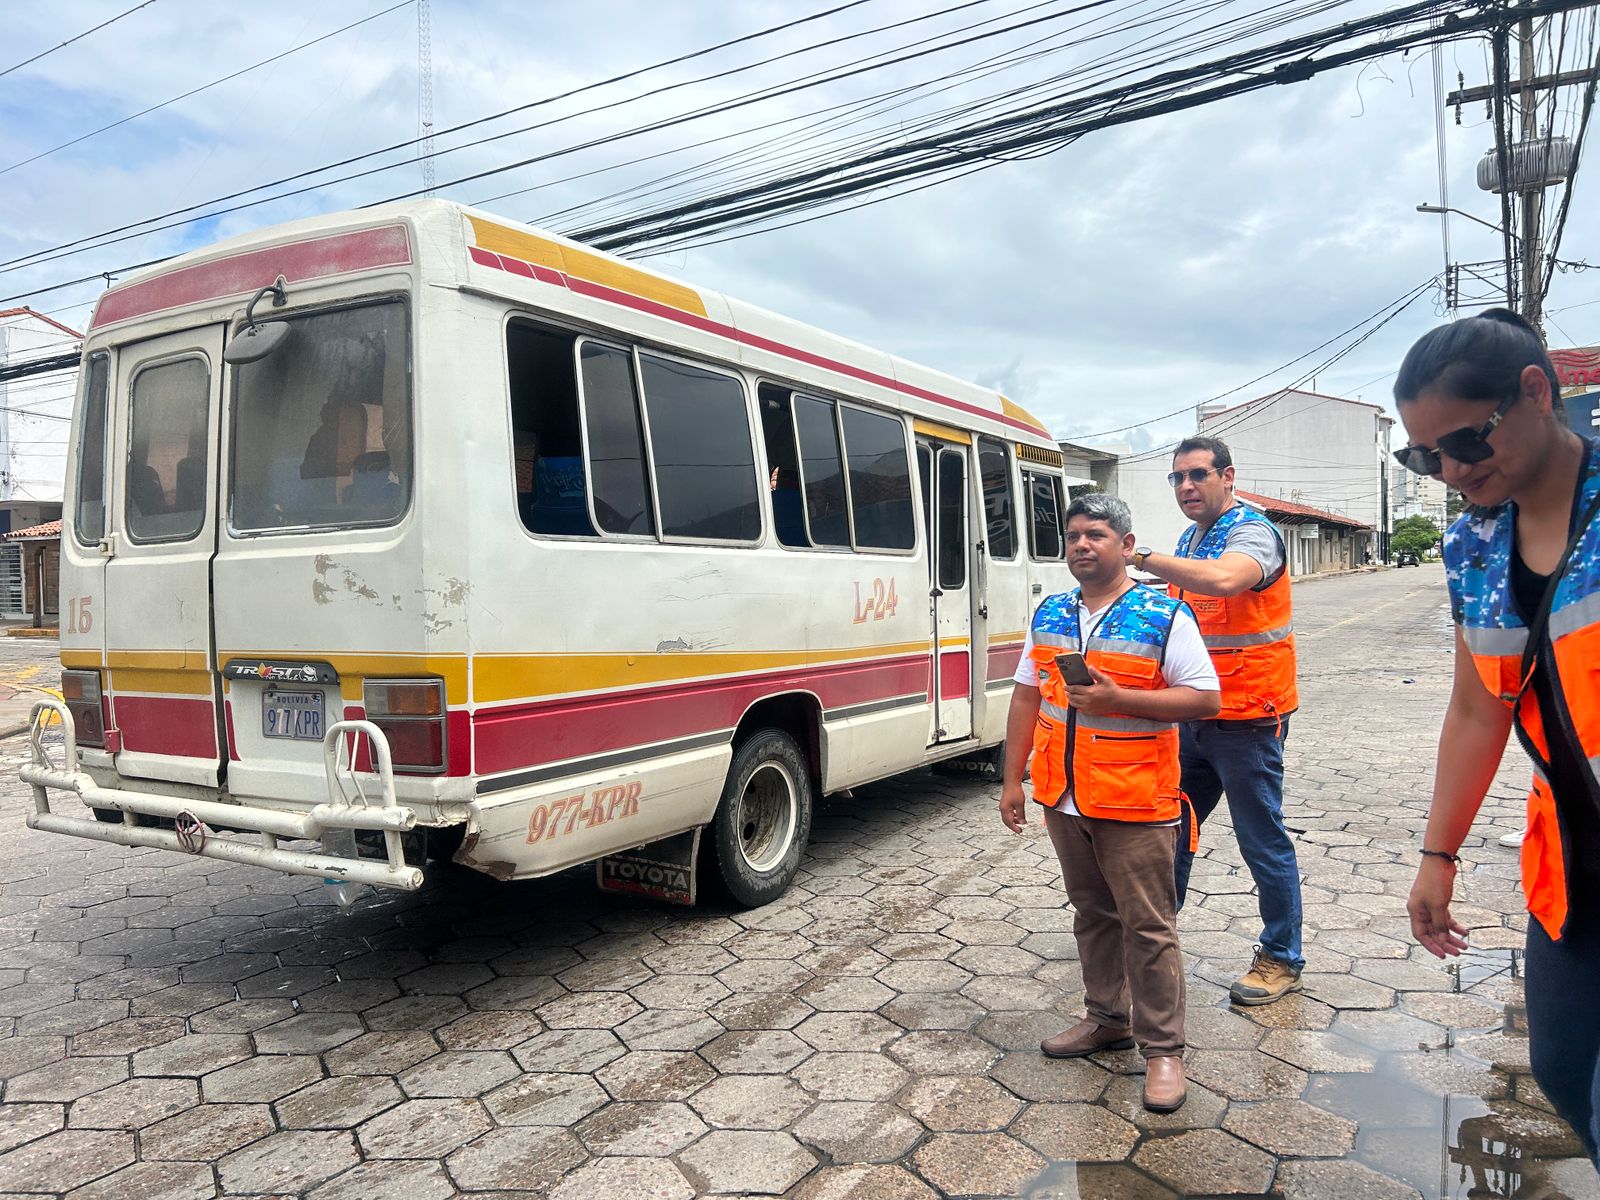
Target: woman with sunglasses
1481,405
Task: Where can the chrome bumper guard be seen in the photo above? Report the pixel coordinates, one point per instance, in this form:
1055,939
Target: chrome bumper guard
340,816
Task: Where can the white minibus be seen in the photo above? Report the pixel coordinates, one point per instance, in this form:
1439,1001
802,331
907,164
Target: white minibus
418,533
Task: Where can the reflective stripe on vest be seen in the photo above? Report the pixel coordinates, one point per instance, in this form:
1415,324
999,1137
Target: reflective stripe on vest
1477,555
1117,767
1251,635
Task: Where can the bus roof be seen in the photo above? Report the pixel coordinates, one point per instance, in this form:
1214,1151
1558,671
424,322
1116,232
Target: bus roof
491,253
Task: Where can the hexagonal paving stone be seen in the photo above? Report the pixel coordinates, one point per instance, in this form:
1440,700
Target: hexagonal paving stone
846,994
569,1050
23,1123
423,1128
589,1010
18,1055
66,1080
1208,1162
727,1160
1292,1128
1076,1132
548,1098
493,1030
865,1183
1244,1074
132,1105
960,1104
756,1051
394,1177
59,1162
519,1157
381,1053
127,1037
761,1010
1317,1051
855,1131
645,1178
1319,1180
654,1075
831,1076
152,1181
924,1010
929,1052
847,1031
264,1078
309,1033
287,1162
985,1164
459,1073
342,1102
195,1054
203,1133
750,1101
668,1029
640,1129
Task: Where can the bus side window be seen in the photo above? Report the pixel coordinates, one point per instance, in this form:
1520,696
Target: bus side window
167,426
89,523
994,468
880,480
546,439
616,441
1044,526
822,470
701,452
783,463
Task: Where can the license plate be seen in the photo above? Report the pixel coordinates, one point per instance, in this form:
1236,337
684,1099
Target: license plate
293,715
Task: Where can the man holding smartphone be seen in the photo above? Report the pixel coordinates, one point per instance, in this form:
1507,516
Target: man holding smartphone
1104,764
1230,567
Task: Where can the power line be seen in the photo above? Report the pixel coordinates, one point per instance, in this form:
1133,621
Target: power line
203,87
76,38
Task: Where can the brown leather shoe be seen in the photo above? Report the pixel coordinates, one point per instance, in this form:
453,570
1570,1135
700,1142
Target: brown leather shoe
1165,1088
1085,1038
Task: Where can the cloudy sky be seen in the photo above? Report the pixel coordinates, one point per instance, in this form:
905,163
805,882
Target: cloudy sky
1137,271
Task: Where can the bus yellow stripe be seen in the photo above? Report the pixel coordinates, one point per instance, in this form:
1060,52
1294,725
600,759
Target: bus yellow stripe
581,264
169,683
503,677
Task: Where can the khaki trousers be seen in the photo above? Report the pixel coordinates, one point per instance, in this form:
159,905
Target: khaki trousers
1119,879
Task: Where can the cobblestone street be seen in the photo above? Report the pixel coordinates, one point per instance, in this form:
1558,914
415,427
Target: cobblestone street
175,1028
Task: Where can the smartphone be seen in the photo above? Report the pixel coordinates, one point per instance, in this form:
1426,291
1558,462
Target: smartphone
1073,669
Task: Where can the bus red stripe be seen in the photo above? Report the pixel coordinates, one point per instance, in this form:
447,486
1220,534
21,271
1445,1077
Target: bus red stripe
166,725
552,730
239,274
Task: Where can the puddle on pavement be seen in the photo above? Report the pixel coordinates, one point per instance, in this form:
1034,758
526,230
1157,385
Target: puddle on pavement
1481,1142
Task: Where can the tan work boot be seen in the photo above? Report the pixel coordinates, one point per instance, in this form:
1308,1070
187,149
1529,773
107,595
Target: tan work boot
1165,1088
1266,980
1085,1038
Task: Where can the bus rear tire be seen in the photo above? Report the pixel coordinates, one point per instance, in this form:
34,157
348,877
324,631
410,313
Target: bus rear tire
763,821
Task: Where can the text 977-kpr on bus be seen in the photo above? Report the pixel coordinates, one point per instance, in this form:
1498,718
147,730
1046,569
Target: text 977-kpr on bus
418,533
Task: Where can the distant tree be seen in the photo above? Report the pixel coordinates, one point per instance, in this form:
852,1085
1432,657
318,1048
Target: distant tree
1081,489
1414,535
1454,502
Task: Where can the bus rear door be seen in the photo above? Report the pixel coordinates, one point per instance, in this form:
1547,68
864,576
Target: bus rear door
166,694
943,467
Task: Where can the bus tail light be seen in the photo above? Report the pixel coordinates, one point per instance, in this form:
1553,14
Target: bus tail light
411,713
81,691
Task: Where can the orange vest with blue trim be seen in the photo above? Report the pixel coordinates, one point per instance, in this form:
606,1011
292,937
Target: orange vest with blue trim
1251,635
1120,768
1477,556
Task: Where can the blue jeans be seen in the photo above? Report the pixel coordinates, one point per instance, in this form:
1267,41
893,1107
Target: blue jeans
1246,762
1564,1020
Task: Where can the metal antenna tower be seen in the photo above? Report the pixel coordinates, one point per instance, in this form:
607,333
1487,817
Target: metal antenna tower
425,93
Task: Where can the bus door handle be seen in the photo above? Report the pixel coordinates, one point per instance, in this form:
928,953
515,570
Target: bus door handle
1037,588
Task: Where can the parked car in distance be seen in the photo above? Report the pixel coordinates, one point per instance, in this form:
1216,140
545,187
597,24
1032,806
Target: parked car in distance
1407,559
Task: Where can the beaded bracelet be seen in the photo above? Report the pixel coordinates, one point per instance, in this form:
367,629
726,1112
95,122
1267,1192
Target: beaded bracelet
1452,859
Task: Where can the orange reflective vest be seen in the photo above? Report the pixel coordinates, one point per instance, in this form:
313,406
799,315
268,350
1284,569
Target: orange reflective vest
1119,768
1477,555
1250,636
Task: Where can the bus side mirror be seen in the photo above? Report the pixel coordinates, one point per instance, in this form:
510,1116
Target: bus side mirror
257,341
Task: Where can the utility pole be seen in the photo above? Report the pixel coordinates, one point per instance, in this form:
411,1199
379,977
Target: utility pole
425,94
1533,197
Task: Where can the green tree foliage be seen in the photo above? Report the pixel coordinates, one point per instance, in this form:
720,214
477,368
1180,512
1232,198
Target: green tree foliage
1415,535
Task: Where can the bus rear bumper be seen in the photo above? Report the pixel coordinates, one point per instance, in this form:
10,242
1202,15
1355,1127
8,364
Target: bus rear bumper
334,821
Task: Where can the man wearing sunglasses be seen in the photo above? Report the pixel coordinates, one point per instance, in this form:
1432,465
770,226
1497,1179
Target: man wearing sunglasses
1231,567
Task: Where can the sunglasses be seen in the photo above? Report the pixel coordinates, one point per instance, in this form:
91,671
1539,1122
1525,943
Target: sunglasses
1193,475
1466,445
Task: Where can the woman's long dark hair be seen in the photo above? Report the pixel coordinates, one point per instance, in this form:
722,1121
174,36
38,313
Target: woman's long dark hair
1481,358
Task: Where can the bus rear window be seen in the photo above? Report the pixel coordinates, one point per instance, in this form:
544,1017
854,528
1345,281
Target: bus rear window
322,425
